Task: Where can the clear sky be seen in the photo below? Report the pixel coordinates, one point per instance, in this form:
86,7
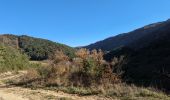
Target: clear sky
79,22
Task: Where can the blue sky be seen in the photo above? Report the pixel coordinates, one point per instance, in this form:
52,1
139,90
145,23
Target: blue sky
79,22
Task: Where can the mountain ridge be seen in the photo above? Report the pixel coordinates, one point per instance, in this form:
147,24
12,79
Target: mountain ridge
125,39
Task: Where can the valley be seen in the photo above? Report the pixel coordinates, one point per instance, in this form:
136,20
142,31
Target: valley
129,66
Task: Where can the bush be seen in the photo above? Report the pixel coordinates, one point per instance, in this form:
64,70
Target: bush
87,70
12,59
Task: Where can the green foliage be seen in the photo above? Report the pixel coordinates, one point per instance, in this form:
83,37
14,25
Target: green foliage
88,65
35,48
40,49
12,59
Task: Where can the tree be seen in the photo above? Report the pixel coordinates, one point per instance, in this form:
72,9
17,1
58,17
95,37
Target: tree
12,59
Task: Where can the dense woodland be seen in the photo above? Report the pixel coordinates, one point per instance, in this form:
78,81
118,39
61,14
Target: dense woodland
136,39
35,48
149,65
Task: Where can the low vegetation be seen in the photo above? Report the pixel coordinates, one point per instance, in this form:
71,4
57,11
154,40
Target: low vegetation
88,69
86,74
12,59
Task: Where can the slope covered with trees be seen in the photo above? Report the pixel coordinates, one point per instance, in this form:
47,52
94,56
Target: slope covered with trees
149,64
35,48
142,36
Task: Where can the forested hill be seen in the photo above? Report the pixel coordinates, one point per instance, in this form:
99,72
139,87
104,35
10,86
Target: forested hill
36,48
149,64
135,39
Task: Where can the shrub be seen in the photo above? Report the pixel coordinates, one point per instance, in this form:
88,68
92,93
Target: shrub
87,70
88,65
12,59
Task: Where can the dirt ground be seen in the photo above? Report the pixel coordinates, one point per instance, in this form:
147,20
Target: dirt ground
20,93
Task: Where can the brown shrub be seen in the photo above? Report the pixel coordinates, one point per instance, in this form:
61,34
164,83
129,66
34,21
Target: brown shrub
106,75
87,70
58,57
102,75
82,53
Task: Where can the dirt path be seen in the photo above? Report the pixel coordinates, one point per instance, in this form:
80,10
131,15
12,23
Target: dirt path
10,96
19,93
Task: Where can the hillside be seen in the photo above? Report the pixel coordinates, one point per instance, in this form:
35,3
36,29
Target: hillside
120,74
151,64
36,48
147,60
132,39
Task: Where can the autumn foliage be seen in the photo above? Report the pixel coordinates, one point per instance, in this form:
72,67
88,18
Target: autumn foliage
87,69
